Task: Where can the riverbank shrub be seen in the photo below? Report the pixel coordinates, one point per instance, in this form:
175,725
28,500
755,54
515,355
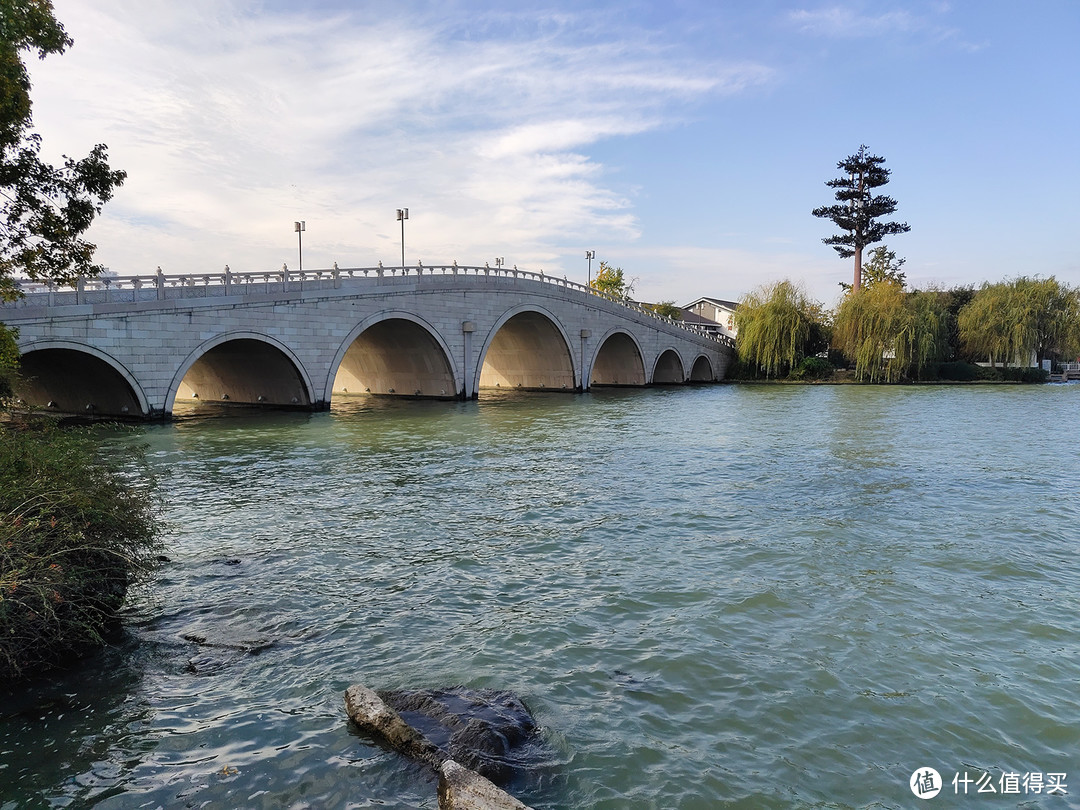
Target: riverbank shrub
9,363
812,368
957,371
77,528
1023,374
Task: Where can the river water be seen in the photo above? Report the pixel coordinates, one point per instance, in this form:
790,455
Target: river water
731,596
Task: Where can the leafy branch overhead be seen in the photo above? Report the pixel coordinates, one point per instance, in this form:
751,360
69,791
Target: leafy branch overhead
44,209
858,209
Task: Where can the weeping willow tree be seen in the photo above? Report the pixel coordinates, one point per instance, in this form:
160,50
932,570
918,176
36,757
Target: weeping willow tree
925,336
983,325
891,333
1015,321
776,324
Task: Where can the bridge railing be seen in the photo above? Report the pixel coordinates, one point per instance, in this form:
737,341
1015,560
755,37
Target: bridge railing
163,286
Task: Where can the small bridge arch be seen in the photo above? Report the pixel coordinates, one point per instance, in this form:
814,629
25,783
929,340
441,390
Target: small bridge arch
618,360
702,370
394,353
527,348
76,378
246,368
668,369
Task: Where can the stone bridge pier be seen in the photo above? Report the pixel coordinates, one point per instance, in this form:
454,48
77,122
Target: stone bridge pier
134,347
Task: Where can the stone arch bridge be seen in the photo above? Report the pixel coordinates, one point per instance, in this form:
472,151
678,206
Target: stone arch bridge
136,346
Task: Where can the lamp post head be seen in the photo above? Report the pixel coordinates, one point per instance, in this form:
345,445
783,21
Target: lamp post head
300,226
403,213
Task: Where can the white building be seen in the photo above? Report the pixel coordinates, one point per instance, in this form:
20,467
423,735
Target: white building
717,311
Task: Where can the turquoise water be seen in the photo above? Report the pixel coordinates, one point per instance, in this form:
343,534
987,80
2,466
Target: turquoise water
734,596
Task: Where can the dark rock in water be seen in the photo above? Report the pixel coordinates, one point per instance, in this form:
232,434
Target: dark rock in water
489,731
478,740
205,665
252,647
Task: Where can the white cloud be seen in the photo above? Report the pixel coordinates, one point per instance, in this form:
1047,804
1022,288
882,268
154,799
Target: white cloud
844,22
232,121
839,21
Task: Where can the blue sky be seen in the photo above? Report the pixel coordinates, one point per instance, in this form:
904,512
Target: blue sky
684,141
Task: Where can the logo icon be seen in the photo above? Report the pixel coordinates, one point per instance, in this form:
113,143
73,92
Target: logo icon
925,783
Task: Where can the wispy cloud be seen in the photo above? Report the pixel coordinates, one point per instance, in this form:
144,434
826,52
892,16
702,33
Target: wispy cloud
233,120
839,21
846,22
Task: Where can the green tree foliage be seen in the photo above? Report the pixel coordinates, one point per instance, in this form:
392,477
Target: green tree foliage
890,333
44,209
1012,321
611,281
954,300
776,326
75,531
881,266
9,363
858,210
667,309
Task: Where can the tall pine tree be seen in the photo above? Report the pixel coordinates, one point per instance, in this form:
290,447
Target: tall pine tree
858,209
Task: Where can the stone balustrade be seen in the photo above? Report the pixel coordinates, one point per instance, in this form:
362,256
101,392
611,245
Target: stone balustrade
172,286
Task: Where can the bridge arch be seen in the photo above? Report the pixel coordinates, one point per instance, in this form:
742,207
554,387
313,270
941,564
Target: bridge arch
246,368
394,353
702,370
71,377
527,348
668,369
618,360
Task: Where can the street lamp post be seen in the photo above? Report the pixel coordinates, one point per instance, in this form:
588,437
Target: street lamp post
402,215
499,262
300,227
590,255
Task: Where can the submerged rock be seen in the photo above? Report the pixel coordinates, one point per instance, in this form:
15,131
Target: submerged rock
477,739
487,730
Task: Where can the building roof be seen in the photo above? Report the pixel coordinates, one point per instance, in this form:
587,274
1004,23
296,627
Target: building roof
693,317
720,302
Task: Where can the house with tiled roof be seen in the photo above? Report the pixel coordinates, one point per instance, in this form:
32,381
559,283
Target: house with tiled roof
714,311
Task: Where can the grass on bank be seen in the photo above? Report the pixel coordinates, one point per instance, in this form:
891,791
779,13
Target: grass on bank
77,527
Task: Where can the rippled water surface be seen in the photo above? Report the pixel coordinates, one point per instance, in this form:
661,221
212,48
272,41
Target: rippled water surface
737,596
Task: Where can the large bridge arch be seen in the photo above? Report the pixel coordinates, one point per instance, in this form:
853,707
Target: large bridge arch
394,353
527,348
69,377
246,368
618,360
669,368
